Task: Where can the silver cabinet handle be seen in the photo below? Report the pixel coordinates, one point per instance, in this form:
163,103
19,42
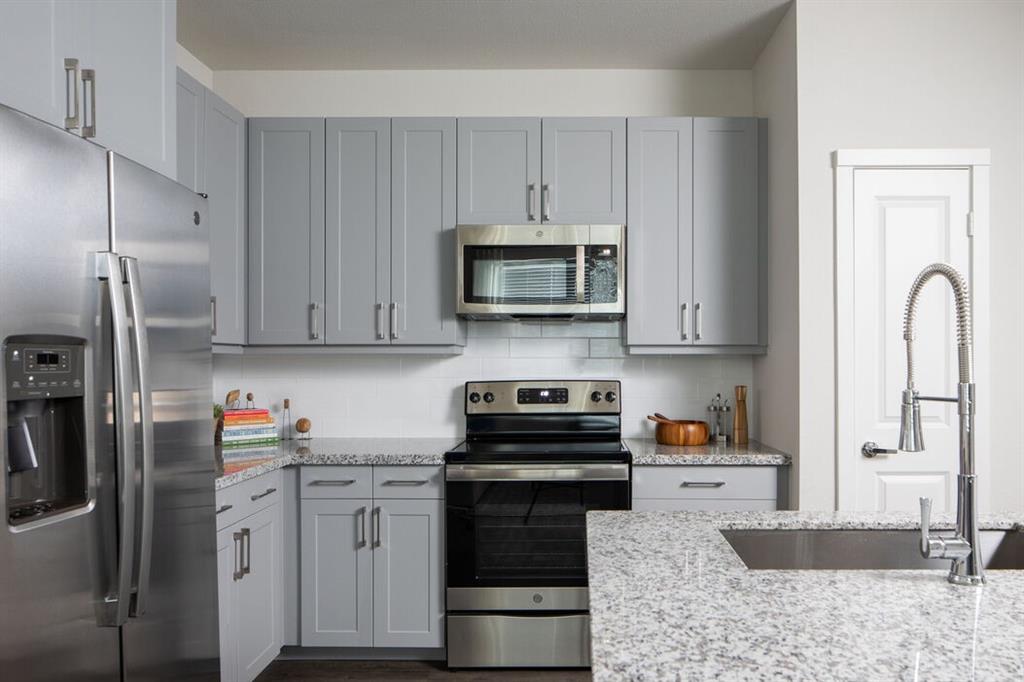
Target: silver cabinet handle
394,320
401,482
545,197
247,541
70,76
213,316
137,308
224,507
89,77
698,324
341,481
531,195
362,527
686,323
314,320
702,484
380,320
238,539
260,496
376,527
108,268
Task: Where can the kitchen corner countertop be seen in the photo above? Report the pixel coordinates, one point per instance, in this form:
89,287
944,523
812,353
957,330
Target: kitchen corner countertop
670,599
242,464
647,452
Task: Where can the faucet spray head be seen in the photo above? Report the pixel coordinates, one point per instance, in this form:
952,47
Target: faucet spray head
911,438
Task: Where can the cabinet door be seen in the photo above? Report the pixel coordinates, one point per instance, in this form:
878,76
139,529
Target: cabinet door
358,230
35,38
725,231
258,609
337,573
132,49
191,118
408,574
224,161
584,171
659,251
286,230
228,560
423,231
499,170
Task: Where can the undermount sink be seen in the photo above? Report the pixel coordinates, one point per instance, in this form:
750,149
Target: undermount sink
861,549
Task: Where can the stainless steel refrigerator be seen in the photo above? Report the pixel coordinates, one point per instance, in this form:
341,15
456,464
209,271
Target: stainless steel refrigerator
108,550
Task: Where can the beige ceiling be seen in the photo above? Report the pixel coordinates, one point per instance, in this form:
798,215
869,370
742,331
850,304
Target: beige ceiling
477,34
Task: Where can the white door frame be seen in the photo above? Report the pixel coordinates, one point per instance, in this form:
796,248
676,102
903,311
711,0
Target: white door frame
844,163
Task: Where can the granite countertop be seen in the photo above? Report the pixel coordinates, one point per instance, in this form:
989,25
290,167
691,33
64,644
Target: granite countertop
671,600
240,465
647,451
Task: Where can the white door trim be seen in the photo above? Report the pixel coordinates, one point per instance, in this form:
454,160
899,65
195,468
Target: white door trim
844,162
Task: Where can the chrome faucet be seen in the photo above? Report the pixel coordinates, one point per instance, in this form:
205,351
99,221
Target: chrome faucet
963,548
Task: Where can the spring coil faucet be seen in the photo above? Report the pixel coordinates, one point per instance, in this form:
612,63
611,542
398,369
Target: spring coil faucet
964,547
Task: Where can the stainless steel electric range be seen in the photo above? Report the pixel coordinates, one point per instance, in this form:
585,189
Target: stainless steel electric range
537,456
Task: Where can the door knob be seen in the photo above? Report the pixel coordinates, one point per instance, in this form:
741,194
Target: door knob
871,448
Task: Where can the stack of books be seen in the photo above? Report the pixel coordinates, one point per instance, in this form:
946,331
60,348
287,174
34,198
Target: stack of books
249,428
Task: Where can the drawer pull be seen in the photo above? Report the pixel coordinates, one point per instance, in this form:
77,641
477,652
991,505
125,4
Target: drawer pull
343,481
225,507
402,482
702,484
263,494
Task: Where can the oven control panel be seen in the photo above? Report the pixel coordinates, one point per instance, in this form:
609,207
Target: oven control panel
545,396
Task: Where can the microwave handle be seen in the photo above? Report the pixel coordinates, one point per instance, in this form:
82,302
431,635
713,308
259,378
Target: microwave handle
581,273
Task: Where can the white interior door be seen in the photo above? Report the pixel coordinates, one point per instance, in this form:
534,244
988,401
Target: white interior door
903,220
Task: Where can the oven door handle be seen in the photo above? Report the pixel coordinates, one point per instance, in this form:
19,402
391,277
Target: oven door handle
537,472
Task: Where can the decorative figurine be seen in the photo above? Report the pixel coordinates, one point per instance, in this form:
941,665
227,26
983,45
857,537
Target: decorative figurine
304,425
250,403
231,399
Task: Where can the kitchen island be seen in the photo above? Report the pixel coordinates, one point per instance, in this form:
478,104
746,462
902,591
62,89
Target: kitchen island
671,599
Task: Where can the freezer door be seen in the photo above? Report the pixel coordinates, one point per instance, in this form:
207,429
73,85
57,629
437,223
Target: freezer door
159,229
57,570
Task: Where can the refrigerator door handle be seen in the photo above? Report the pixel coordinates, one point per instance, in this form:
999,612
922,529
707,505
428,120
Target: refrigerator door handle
108,268
141,352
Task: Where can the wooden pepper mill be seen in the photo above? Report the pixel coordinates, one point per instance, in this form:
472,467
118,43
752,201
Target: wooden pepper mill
739,417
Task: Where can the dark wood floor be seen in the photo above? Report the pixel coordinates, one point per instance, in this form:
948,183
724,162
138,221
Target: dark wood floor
328,671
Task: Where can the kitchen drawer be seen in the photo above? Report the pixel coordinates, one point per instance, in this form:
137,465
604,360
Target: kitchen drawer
408,482
683,504
335,482
705,482
248,497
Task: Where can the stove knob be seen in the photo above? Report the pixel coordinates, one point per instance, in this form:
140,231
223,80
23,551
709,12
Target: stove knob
474,397
488,397
595,396
610,396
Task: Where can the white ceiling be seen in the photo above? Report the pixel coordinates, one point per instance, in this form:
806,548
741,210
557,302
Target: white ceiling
477,34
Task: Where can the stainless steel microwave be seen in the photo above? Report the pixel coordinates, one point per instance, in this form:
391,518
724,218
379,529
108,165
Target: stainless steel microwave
528,271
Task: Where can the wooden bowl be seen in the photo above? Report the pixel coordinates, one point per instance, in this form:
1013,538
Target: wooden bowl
680,431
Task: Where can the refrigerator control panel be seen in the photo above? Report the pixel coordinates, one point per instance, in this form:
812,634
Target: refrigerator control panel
35,370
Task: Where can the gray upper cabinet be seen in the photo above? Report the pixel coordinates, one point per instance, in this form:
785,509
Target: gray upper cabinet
499,170
725,231
191,106
358,237
423,233
224,181
659,249
584,171
286,230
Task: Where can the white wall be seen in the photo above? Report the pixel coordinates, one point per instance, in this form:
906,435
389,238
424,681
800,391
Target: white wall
909,74
553,92
366,396
776,375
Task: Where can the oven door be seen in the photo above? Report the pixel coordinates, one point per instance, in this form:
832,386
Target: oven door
509,271
524,525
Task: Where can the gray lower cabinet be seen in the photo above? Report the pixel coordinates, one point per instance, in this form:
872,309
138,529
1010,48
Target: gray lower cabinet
499,170
693,252
228,561
705,488
583,164
286,231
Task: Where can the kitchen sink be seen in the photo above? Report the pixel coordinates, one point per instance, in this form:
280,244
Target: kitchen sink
861,549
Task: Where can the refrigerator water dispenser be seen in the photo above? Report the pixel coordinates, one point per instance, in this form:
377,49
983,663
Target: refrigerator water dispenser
46,440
